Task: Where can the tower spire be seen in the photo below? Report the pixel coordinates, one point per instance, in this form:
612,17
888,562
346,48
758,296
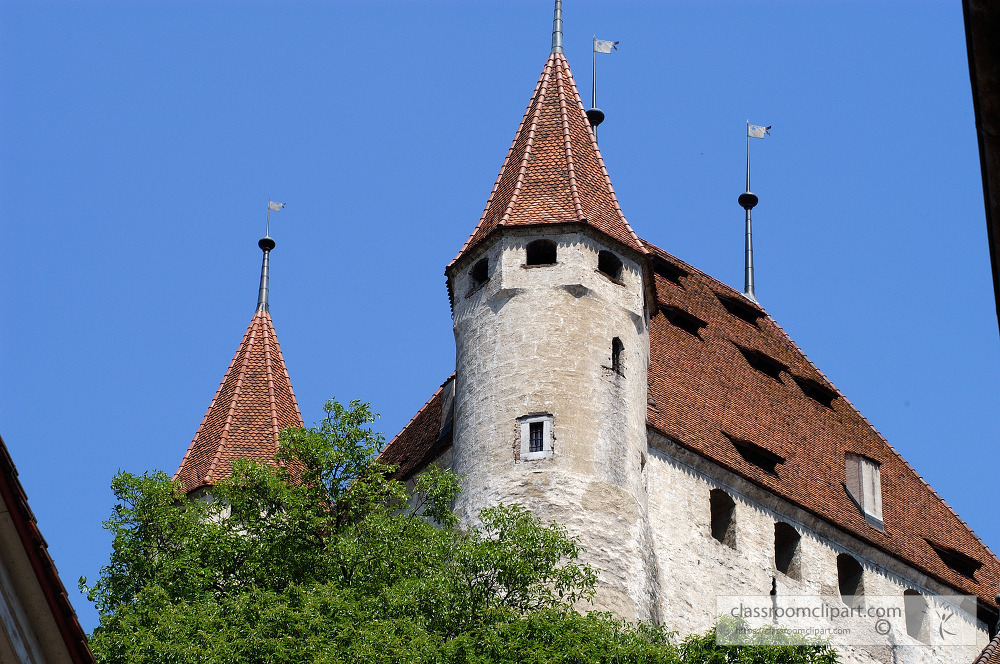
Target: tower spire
557,28
266,244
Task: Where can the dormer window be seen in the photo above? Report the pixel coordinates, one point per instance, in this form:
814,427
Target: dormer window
864,486
541,252
763,363
668,271
956,560
741,309
610,265
684,320
816,391
759,456
479,274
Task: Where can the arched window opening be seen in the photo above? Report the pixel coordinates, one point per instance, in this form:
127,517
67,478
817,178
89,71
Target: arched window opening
850,578
915,608
616,356
609,264
723,517
479,274
541,252
786,550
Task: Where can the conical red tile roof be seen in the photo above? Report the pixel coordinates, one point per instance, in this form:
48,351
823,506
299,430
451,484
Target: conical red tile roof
553,172
253,404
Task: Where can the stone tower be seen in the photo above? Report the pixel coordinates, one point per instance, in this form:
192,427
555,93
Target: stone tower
551,327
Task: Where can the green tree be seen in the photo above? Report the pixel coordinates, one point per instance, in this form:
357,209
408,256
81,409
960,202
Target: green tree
326,557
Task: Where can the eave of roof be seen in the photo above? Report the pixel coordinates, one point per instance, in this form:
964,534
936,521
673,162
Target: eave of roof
253,404
36,550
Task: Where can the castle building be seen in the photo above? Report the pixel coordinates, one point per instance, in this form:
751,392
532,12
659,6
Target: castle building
665,418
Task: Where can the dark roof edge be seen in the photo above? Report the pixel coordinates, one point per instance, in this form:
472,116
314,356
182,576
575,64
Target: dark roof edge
36,550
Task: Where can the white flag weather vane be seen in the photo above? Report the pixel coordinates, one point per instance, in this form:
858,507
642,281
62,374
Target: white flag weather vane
603,46
274,206
756,131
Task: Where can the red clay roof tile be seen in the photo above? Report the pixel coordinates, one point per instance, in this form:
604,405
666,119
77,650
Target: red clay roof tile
253,404
553,172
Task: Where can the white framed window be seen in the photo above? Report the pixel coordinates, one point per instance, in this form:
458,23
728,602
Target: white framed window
864,484
536,437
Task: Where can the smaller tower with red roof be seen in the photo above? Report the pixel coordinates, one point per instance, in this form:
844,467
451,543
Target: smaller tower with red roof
253,404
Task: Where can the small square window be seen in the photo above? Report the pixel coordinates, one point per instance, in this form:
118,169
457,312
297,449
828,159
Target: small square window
536,437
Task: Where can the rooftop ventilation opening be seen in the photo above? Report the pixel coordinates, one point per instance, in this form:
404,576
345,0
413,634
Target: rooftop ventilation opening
759,456
850,579
541,252
723,510
956,560
609,264
684,320
786,550
763,363
741,309
816,391
669,271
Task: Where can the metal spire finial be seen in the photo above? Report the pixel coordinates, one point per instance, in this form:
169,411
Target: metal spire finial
266,244
557,29
747,201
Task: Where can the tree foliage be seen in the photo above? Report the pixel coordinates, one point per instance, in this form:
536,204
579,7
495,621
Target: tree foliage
326,557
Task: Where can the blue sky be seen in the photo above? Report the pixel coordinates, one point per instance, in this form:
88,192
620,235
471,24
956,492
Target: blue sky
140,142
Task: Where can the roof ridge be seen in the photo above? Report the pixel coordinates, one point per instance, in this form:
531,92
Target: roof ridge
215,398
270,381
522,171
252,331
568,142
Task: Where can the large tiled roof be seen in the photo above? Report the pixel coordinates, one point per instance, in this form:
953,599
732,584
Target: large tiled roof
703,393
253,404
703,387
553,172
422,439
14,501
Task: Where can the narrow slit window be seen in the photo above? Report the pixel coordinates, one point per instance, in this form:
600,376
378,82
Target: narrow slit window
864,486
541,252
786,550
609,264
684,320
850,579
915,609
742,310
669,271
536,436
763,363
723,509
616,356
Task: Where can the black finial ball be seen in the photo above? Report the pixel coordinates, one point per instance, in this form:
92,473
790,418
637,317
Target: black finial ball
747,200
596,116
266,244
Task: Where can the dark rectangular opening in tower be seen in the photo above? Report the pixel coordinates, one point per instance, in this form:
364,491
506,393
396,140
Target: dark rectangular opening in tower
536,442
